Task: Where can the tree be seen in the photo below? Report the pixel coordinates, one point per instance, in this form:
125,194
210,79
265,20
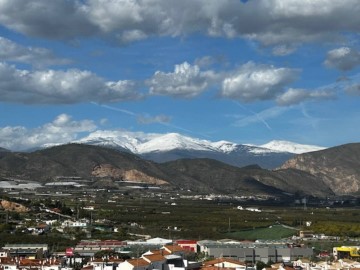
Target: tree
261,265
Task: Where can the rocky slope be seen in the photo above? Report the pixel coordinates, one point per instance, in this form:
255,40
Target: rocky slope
324,173
248,180
132,175
13,207
338,167
80,161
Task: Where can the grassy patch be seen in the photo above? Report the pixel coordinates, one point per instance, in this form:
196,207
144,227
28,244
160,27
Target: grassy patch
269,233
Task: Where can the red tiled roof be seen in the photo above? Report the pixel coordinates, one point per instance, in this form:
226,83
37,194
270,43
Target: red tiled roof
7,260
161,252
30,262
138,262
154,258
221,260
173,248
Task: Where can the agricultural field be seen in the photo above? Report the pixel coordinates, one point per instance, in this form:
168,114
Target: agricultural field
171,215
273,232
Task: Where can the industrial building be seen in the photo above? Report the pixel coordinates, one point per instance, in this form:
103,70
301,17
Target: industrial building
253,252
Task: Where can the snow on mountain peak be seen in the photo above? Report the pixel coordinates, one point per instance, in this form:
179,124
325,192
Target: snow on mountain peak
142,143
121,139
224,146
171,141
291,147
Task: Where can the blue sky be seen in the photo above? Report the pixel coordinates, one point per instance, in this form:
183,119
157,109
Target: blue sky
242,71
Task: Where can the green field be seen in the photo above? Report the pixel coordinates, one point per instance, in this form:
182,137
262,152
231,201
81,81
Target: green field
170,215
269,233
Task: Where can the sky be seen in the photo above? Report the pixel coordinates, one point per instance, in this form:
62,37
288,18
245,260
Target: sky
241,71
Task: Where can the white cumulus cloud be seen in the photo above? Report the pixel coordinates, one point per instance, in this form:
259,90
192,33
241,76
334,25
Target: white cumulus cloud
271,22
186,81
60,87
62,129
11,51
253,82
343,58
295,96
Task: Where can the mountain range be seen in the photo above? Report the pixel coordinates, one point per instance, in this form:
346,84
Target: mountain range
328,172
173,146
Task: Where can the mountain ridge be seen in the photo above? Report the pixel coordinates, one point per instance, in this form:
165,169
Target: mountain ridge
338,167
106,167
172,146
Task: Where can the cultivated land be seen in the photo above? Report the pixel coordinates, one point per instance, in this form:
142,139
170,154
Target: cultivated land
178,216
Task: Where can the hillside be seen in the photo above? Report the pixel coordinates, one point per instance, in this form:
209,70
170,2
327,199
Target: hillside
324,173
251,179
338,167
79,160
13,207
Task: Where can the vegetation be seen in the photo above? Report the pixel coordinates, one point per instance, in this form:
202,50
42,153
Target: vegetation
168,215
268,233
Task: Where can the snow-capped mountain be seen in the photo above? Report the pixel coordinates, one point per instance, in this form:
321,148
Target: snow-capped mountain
172,141
172,146
291,147
122,140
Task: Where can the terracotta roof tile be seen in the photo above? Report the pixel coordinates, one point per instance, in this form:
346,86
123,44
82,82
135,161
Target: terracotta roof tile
221,260
154,257
161,252
138,262
173,248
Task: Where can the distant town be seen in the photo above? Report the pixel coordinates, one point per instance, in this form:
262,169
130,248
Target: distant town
167,254
61,227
